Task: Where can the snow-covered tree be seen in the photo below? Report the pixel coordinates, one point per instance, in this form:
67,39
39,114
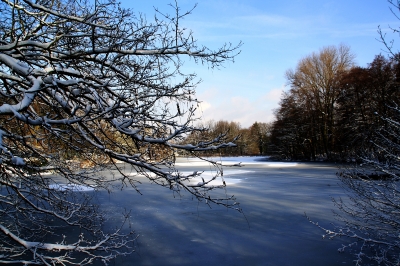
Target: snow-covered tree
93,82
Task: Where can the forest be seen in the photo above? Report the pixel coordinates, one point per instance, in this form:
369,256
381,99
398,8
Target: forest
249,141
332,110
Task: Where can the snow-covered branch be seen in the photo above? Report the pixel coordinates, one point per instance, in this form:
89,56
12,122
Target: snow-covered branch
82,88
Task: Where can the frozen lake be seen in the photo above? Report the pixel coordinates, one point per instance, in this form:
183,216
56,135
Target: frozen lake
274,197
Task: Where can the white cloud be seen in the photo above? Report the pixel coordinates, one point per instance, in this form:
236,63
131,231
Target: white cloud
204,106
244,110
274,96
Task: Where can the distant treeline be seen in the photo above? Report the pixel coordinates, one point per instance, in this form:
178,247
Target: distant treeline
332,111
250,141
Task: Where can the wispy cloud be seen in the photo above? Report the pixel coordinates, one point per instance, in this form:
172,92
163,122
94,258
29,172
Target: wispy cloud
276,26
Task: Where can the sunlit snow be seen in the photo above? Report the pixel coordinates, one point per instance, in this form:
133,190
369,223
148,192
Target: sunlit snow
227,177
73,187
235,161
228,172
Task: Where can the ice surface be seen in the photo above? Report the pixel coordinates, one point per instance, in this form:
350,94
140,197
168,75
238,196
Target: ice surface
17,161
175,229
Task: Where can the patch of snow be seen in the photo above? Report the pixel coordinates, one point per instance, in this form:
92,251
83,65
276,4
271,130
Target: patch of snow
73,187
240,161
47,173
281,164
207,175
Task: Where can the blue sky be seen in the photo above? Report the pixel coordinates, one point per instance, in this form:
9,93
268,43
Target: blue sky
276,35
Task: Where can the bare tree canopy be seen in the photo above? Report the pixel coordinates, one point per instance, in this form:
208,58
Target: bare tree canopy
315,88
99,84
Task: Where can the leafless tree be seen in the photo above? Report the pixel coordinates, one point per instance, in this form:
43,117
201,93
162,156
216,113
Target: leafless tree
394,6
315,81
93,82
